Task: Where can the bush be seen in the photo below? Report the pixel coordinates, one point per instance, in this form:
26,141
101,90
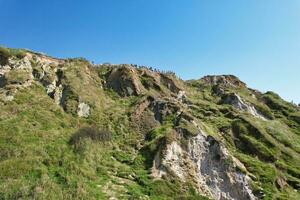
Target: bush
93,133
5,53
295,117
70,100
16,77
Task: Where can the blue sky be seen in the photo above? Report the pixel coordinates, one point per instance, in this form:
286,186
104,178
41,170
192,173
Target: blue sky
258,41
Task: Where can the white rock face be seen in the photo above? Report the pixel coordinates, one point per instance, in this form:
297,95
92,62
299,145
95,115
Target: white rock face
181,95
15,64
215,168
8,98
209,164
45,66
237,102
20,63
58,95
83,110
51,87
173,159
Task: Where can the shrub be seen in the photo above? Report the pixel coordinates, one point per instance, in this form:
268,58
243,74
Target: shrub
19,53
93,133
17,77
70,100
5,53
295,117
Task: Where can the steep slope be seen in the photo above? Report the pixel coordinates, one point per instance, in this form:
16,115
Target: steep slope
73,130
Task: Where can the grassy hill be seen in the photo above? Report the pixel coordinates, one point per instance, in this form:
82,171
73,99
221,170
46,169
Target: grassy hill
73,130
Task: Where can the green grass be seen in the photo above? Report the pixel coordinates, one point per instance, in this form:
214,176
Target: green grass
16,77
268,149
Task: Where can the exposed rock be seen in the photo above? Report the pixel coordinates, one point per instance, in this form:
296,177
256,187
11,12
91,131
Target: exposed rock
162,109
217,169
21,72
219,91
208,164
6,96
57,96
83,110
171,83
281,183
237,102
15,75
224,80
125,81
51,87
142,118
181,96
23,63
142,106
172,161
150,79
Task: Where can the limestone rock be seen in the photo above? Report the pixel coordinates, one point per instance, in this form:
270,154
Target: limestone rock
171,82
83,110
208,163
237,102
58,95
125,81
224,80
15,75
181,95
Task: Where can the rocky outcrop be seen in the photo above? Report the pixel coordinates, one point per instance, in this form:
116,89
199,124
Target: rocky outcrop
142,117
150,79
162,109
218,170
152,112
171,83
125,81
223,80
208,164
20,73
14,75
83,110
48,72
128,80
237,102
193,156
172,161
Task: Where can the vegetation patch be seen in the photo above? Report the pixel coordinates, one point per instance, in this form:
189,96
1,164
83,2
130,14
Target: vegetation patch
6,53
92,133
17,76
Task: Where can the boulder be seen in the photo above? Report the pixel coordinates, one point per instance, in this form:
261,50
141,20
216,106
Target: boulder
83,110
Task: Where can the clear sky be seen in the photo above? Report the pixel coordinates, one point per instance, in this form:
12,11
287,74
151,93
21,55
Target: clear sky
256,40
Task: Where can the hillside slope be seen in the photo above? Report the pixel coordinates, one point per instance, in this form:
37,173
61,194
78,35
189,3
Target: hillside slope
73,130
